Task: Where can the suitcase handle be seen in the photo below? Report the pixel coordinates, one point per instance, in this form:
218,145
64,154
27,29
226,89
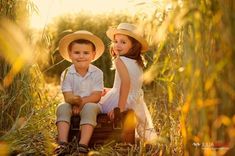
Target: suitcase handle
117,123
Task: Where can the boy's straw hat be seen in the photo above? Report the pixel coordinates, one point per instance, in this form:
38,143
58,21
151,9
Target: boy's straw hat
130,30
81,34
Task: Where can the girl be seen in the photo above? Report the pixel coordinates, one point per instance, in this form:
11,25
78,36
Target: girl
126,49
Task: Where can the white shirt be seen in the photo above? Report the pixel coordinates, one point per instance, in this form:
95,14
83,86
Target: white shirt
71,81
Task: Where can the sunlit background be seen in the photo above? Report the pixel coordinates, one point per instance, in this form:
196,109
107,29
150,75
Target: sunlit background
47,10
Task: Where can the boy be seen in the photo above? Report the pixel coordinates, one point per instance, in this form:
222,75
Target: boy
81,84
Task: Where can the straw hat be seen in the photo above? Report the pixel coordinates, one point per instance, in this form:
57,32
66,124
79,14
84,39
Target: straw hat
130,30
81,34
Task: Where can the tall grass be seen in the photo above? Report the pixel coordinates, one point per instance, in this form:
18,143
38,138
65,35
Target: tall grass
23,98
15,55
193,72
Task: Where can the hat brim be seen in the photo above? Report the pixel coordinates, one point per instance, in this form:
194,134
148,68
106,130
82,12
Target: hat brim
66,40
112,31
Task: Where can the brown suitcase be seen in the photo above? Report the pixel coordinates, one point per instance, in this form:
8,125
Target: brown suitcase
121,129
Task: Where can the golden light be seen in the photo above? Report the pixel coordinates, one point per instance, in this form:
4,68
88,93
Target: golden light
50,9
14,48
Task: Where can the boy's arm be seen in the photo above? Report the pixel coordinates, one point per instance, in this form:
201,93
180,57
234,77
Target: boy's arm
93,98
97,88
77,100
66,88
70,98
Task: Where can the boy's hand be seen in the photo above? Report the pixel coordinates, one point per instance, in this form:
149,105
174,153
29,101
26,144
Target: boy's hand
72,99
76,110
78,100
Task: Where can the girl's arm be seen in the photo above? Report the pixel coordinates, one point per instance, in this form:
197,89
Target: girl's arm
125,83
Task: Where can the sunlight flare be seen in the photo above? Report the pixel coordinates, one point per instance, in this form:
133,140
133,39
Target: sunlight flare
14,49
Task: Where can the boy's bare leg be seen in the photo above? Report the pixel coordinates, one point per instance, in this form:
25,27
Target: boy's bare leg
86,133
63,131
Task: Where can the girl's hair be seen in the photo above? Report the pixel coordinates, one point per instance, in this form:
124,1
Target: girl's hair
133,53
81,41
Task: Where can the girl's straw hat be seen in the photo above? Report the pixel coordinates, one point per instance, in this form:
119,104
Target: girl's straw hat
81,34
130,30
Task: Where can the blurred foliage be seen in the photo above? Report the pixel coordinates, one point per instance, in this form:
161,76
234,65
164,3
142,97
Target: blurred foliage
21,83
16,90
8,9
208,61
193,73
34,133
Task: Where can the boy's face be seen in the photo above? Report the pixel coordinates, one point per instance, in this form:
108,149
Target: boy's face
81,55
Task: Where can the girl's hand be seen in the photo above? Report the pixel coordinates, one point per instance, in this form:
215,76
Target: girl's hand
105,91
116,53
111,115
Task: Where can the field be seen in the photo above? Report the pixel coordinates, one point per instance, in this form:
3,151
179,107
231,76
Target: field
189,76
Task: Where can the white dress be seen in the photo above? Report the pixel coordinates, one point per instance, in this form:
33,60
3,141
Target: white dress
135,99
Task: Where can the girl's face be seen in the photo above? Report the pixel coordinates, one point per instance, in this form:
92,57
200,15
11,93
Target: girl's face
81,55
121,44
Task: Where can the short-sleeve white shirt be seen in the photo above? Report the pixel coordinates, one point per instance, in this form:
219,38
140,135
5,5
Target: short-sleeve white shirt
71,81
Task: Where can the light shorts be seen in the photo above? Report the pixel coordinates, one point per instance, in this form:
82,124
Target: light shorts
88,113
